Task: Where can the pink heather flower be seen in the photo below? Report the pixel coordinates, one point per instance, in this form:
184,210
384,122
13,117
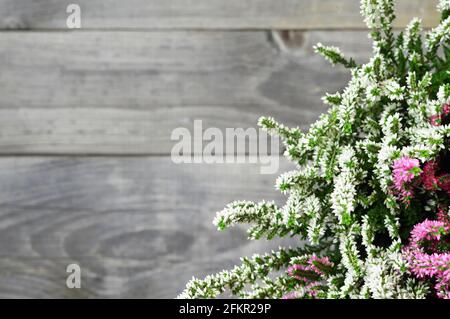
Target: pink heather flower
405,170
429,230
443,216
443,287
435,265
314,268
292,295
436,120
309,274
432,181
319,264
294,271
446,109
444,183
429,179
311,289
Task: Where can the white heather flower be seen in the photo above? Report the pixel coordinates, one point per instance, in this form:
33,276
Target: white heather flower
373,92
340,196
412,32
443,5
443,95
293,209
330,53
392,224
386,156
393,90
343,196
315,231
370,12
438,35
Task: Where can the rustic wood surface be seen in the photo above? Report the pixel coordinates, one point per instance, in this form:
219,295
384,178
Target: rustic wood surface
86,118
204,14
125,92
138,227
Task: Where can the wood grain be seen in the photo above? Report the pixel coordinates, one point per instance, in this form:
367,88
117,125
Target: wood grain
204,14
125,92
138,227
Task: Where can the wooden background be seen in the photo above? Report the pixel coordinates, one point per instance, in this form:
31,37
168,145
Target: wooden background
85,123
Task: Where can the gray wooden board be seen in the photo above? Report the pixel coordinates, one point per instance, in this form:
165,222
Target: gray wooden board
203,14
137,226
125,92
140,226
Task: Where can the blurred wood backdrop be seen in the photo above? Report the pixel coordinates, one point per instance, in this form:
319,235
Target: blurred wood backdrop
85,123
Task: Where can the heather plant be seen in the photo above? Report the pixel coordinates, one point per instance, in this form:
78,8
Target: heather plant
371,192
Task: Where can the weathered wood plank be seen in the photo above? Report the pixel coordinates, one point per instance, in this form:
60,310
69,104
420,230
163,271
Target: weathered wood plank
125,92
204,14
138,227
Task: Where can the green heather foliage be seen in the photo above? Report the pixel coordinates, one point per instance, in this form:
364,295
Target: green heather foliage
340,198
